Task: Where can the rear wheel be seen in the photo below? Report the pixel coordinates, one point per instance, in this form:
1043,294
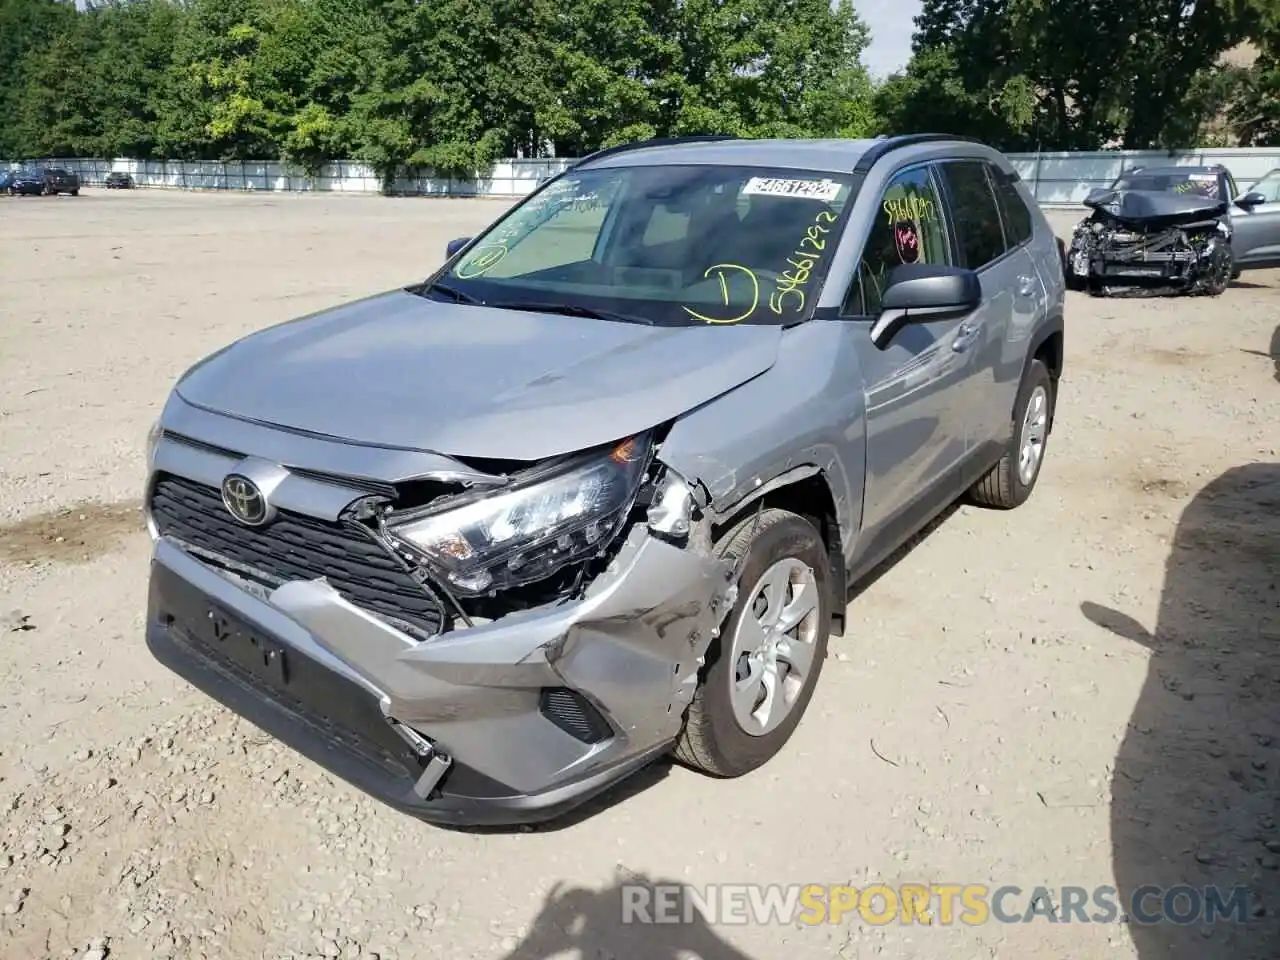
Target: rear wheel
763,668
1009,483
75,192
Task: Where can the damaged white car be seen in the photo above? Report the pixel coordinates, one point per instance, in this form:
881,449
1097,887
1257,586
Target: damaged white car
597,489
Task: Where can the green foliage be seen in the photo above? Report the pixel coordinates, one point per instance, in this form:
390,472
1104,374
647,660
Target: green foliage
449,85
452,85
1079,74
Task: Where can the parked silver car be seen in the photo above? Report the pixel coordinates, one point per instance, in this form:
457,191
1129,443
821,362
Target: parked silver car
1256,224
599,487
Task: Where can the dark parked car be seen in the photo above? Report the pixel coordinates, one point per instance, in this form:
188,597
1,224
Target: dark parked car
1250,222
60,180
118,180
27,181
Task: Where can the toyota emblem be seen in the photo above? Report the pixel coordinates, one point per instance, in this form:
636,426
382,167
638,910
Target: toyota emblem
245,501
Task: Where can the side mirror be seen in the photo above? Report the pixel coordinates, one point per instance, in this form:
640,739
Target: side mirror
921,292
454,246
1250,200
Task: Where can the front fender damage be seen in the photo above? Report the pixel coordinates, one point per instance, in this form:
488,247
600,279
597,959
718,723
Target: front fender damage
632,645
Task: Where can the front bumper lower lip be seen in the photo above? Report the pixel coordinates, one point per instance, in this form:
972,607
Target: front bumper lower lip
389,781
632,648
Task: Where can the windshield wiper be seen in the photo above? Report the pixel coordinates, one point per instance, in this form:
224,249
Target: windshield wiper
448,291
572,310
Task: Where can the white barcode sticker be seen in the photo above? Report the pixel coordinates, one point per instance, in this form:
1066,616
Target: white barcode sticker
826,190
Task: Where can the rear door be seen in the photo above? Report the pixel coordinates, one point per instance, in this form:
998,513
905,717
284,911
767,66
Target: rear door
1012,296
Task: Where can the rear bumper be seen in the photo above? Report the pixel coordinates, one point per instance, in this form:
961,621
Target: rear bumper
459,730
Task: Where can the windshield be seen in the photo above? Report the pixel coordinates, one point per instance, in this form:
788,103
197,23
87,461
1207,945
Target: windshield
1199,184
669,245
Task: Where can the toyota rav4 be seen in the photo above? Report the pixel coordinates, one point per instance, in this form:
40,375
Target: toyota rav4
597,489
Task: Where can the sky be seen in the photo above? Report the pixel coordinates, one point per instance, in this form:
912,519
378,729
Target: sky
891,28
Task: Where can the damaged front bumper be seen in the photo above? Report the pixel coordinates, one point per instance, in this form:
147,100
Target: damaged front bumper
517,720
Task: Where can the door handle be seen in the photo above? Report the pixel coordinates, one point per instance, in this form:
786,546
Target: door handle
1027,286
965,336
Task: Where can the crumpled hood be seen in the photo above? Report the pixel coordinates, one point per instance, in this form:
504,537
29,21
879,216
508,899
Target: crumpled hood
470,381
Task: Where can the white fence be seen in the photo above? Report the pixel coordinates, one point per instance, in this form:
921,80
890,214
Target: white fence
1055,178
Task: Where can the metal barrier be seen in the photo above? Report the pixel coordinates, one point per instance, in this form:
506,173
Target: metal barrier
1056,179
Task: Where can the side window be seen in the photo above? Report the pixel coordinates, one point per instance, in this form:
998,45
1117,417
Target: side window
1013,210
1232,190
908,229
1269,187
973,208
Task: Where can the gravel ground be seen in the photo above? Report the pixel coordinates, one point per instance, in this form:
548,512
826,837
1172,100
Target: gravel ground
1078,693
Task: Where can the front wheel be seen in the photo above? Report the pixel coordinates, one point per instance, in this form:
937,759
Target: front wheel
763,668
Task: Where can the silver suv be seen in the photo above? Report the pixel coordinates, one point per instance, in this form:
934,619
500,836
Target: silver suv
597,489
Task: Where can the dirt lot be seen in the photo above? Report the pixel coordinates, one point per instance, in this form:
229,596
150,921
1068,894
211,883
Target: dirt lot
1078,693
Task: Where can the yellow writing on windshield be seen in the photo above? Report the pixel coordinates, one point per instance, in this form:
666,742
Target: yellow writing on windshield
915,208
722,272
791,282
482,260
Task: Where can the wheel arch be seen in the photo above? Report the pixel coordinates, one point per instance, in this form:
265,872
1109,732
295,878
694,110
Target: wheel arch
806,491
1047,346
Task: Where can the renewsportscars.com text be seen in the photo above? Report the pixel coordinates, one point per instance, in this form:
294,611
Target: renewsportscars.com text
929,904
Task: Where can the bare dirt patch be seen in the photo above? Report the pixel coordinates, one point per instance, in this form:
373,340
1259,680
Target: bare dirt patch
74,534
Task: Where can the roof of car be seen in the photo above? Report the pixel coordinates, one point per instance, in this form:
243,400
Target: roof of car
827,156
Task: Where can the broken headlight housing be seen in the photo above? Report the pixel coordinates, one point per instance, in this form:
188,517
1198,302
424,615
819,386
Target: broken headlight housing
525,532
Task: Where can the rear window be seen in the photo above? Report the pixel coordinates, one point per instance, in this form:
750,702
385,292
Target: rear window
1013,210
976,215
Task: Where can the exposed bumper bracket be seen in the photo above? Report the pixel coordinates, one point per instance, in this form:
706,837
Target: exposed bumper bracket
437,767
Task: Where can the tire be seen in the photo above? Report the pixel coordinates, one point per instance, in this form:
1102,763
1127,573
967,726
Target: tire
714,740
1006,486
1224,267
75,193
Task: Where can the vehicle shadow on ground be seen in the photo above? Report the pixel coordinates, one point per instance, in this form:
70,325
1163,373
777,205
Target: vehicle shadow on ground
594,924
1196,787
1273,352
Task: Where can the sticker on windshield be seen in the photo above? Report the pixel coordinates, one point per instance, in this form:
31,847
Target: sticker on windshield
1204,177
907,240
826,190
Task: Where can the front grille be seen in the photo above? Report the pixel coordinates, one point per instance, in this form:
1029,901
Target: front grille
296,547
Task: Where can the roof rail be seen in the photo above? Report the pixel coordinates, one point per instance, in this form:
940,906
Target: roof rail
655,142
887,145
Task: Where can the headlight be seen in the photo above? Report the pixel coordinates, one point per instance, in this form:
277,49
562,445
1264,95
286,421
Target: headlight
527,532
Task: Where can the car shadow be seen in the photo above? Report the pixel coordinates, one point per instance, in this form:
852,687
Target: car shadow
1273,352
867,580
594,924
1196,786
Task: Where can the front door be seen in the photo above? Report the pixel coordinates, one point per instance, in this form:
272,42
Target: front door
916,430
1256,243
